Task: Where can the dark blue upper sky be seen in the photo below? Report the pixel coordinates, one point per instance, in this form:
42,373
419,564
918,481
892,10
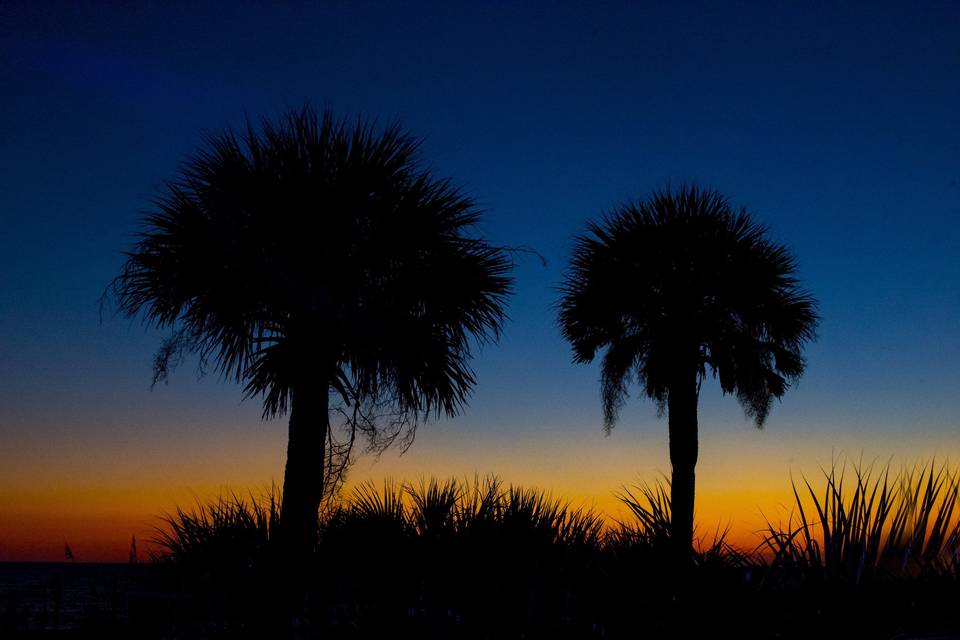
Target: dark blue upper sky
837,124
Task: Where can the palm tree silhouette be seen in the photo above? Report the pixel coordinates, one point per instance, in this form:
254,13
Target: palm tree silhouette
673,287
318,264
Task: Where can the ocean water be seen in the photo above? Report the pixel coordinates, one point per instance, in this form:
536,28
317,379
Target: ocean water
53,595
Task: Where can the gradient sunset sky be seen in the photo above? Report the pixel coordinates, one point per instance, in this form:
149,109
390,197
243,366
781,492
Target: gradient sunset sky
836,124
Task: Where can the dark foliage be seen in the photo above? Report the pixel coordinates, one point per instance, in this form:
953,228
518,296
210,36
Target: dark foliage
684,281
862,527
321,266
317,254
481,560
671,288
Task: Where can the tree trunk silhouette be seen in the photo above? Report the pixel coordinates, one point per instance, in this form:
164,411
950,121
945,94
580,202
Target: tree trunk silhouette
303,477
682,416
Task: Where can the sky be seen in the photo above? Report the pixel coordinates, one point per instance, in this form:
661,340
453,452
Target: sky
835,124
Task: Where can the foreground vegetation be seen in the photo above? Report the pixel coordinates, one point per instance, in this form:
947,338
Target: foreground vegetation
864,552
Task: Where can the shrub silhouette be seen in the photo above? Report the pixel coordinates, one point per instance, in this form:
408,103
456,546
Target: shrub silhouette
457,559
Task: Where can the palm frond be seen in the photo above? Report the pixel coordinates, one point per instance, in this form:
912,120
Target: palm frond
309,251
683,281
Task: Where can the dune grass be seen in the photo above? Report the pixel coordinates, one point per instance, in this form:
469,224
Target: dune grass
455,558
433,508
649,530
221,531
863,525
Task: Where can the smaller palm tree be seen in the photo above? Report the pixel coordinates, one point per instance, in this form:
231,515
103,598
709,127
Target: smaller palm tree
674,287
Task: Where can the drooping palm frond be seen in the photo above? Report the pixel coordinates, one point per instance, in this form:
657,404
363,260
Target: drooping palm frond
685,282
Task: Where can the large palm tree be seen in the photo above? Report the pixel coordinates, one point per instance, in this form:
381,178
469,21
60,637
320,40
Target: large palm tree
319,264
676,286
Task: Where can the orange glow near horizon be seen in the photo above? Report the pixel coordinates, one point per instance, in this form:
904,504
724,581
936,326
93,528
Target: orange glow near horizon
97,504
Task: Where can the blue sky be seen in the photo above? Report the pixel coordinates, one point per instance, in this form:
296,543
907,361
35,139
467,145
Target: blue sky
836,124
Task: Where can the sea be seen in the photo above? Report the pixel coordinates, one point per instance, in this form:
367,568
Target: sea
57,596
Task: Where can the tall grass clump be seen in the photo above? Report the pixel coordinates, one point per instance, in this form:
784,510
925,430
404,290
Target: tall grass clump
219,533
648,533
450,553
864,552
226,561
646,590
864,525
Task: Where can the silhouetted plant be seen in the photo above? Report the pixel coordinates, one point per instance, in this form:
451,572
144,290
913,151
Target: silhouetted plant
479,552
673,287
650,507
225,551
648,534
877,528
227,527
484,559
434,506
321,266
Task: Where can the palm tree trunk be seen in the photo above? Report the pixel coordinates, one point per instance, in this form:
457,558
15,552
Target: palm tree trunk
303,477
682,408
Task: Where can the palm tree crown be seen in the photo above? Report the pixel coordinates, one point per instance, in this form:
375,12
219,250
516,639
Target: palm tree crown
682,283
313,251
